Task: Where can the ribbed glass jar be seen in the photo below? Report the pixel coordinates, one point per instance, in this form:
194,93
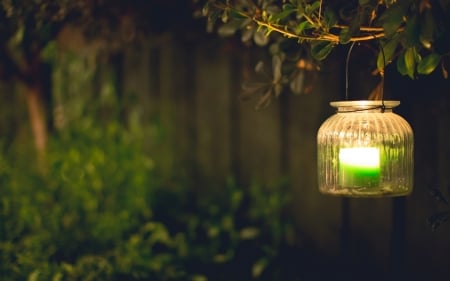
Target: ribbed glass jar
365,150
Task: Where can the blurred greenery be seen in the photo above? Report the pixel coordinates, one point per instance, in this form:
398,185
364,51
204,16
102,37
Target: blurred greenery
102,213
103,209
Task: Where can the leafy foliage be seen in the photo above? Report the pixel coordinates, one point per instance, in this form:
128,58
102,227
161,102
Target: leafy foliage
415,34
443,216
27,27
103,213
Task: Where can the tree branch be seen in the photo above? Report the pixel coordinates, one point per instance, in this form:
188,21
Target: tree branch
326,36
320,35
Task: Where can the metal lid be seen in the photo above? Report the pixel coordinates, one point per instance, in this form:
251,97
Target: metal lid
365,103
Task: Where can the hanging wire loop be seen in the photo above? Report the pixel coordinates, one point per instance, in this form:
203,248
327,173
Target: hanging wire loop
347,62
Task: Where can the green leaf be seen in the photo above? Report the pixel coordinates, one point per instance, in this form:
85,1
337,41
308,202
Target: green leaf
248,233
345,36
412,31
302,26
309,9
410,61
288,6
401,66
297,84
49,52
260,38
236,15
353,29
205,9
438,219
385,56
212,19
276,68
264,100
438,195
392,18
321,49
300,10
258,267
271,10
228,28
199,277
329,18
225,257
18,36
283,14
428,64
224,16
34,276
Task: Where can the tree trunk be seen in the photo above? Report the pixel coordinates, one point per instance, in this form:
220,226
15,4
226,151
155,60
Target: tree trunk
38,122
38,97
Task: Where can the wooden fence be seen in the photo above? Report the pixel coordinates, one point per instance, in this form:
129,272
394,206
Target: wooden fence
194,90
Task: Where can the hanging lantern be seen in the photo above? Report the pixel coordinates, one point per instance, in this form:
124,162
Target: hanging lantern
365,150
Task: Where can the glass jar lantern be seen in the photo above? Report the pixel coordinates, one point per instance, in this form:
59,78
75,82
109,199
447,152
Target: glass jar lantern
365,150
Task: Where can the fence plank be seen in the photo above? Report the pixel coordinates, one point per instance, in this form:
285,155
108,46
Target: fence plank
371,232
259,134
259,144
212,99
137,66
427,252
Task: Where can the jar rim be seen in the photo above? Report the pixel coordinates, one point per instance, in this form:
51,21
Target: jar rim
365,103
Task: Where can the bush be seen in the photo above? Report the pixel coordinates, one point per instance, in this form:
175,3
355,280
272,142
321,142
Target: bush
102,211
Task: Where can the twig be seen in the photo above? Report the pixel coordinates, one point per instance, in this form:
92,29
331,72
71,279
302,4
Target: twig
320,35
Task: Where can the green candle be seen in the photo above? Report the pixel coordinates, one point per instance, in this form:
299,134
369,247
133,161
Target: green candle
359,167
